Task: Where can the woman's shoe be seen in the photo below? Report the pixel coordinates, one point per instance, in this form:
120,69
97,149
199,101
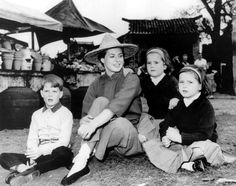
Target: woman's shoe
74,177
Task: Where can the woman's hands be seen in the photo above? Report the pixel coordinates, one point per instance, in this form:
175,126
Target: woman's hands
87,128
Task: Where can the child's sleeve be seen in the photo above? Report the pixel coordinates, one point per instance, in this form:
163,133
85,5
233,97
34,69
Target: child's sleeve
33,140
66,120
169,121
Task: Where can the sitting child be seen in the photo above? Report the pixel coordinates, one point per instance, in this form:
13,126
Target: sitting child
48,138
160,90
188,133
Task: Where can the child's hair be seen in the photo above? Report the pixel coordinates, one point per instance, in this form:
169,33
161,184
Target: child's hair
200,75
55,81
164,56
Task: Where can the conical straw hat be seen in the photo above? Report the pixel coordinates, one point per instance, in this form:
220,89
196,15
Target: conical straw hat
109,42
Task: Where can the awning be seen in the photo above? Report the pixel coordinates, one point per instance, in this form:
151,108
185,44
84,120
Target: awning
74,24
13,17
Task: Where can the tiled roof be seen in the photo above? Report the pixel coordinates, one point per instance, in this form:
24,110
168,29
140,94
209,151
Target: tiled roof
168,26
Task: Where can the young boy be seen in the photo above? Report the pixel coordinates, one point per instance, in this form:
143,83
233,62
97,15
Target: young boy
48,138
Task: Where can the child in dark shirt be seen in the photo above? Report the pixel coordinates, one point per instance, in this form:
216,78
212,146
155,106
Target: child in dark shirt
160,89
188,133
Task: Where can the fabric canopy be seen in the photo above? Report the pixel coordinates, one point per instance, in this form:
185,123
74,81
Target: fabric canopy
13,17
74,24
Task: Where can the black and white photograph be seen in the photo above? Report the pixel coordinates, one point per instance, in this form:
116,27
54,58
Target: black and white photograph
121,93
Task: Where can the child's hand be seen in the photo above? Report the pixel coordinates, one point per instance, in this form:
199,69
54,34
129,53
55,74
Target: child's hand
33,153
173,102
142,138
174,135
166,141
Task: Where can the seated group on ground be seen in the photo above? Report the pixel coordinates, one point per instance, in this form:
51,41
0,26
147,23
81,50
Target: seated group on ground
180,126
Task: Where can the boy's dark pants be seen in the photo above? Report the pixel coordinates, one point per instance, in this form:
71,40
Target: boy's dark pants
60,157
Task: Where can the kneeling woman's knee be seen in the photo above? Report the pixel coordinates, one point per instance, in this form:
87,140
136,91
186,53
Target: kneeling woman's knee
101,100
123,126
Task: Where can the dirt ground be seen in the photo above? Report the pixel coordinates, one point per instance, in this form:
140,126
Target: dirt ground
138,171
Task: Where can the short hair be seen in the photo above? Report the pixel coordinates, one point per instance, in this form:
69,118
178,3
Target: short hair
200,75
55,81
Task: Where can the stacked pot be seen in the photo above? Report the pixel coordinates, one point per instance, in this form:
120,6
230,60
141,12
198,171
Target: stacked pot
38,60
7,59
46,66
18,60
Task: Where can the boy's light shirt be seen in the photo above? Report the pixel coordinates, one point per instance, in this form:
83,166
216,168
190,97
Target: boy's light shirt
49,130
188,101
156,80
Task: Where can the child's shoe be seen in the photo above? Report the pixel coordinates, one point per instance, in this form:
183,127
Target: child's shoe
198,165
10,176
21,179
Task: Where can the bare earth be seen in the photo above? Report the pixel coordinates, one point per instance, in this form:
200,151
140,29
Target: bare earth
137,171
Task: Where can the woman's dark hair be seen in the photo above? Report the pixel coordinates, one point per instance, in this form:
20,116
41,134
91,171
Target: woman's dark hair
103,53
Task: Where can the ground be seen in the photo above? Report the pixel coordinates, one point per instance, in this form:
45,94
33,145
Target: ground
138,171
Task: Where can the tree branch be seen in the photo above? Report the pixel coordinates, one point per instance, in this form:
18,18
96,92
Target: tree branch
229,3
205,3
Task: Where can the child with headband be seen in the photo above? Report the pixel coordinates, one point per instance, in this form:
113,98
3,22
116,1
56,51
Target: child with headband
160,90
188,133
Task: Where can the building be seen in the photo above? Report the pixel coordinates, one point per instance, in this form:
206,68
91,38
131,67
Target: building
177,36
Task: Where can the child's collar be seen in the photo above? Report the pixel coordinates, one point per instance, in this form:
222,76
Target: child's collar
156,80
53,109
188,101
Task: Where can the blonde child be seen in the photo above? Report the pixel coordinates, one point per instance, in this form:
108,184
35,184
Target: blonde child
48,138
188,133
160,90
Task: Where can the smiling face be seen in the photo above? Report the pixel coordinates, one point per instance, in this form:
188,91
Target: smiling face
189,84
51,95
113,60
155,65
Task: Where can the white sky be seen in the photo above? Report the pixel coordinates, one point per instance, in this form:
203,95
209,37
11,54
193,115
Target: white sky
110,13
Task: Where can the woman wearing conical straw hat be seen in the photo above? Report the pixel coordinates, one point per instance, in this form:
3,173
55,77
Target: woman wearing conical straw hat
111,109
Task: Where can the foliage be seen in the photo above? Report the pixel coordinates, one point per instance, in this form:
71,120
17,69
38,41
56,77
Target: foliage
219,16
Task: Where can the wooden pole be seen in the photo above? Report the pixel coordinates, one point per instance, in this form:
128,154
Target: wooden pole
32,39
234,45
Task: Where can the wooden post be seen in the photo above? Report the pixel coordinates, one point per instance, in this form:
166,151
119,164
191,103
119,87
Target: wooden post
234,44
32,39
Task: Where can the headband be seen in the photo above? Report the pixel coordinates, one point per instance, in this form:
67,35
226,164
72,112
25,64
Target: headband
188,68
156,50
